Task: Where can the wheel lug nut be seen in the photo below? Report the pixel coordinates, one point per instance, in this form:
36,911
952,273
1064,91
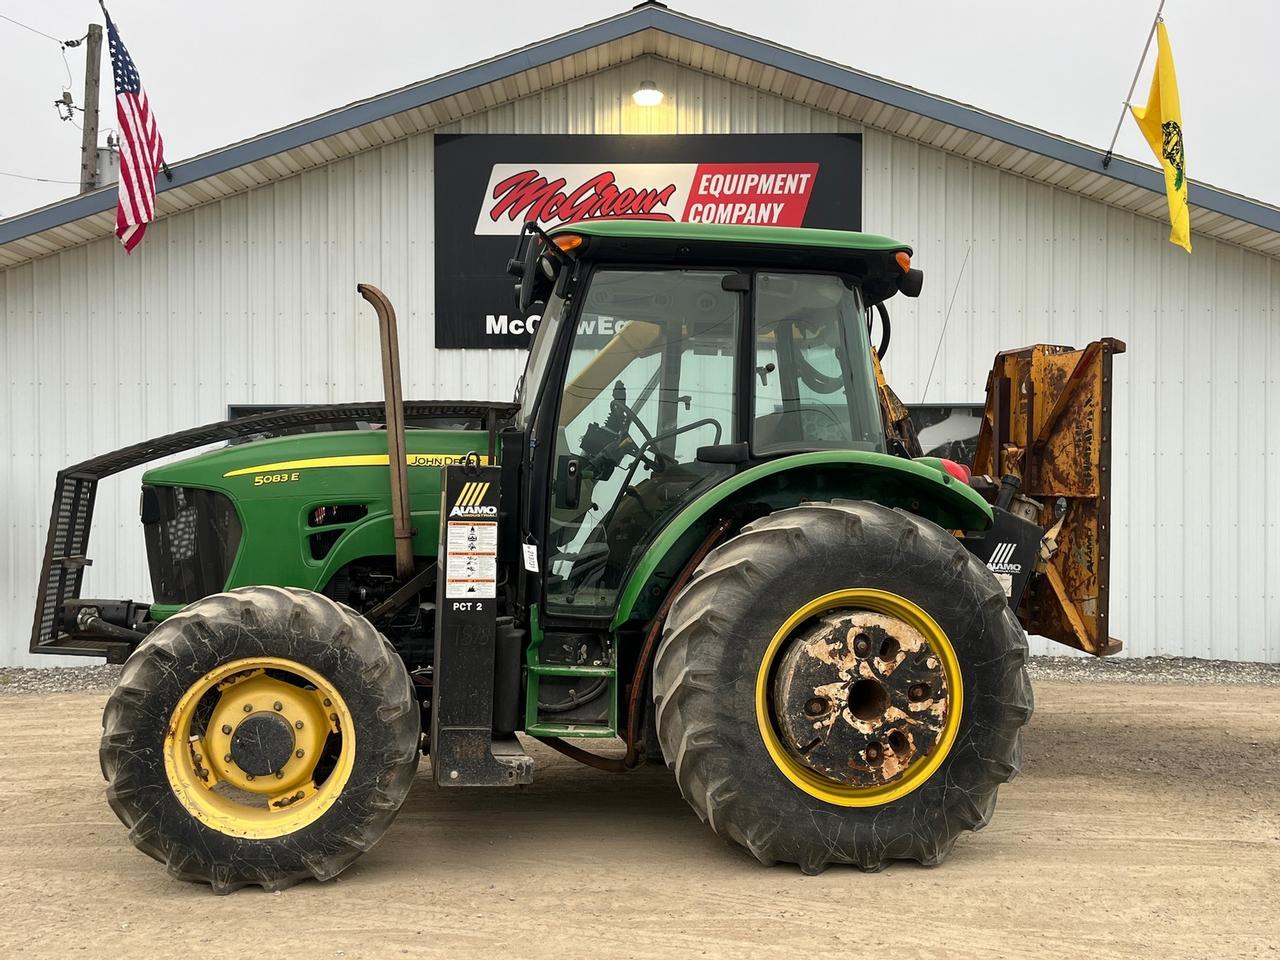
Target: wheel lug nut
874,752
248,708
918,692
862,644
277,706
298,754
298,724
279,774
248,776
226,728
227,758
333,717
328,702
816,706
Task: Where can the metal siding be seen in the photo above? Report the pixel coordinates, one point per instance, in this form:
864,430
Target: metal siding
1269,506
251,299
1193,559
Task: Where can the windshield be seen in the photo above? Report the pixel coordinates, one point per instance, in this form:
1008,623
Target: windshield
535,367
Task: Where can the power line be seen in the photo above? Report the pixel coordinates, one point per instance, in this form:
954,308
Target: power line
18,23
20,176
938,349
62,45
68,66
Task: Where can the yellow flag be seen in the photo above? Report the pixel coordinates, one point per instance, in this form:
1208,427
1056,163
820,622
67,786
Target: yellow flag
1161,123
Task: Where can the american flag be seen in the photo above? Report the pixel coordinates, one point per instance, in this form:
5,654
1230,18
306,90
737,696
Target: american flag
141,148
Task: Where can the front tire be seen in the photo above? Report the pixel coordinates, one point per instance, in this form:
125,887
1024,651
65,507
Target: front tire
792,743
261,736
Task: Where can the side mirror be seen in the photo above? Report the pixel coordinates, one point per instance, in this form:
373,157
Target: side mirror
911,283
533,284
533,267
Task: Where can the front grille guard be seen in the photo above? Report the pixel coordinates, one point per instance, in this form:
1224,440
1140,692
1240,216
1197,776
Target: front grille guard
66,548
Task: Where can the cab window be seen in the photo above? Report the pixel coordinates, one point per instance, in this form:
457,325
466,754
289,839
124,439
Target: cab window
814,385
535,367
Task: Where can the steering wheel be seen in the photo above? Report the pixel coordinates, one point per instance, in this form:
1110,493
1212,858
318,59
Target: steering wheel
661,460
619,407
653,441
628,489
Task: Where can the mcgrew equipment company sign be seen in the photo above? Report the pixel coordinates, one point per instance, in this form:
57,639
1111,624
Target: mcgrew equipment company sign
489,186
771,193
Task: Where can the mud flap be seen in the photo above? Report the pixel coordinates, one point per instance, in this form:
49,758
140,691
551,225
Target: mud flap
1047,428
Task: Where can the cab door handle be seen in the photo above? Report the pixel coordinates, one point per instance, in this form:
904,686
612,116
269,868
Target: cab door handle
568,483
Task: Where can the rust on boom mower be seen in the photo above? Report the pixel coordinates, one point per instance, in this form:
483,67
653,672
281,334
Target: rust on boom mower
1047,425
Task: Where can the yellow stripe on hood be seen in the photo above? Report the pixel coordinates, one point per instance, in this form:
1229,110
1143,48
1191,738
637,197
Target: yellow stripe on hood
354,460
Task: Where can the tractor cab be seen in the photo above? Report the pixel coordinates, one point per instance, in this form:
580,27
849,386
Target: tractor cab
669,358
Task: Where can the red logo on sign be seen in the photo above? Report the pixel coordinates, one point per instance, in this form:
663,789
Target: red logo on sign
530,196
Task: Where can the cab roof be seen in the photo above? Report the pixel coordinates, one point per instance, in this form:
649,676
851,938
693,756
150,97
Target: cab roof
826,240
867,256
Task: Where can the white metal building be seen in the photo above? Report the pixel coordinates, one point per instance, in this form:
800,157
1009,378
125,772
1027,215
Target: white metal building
243,292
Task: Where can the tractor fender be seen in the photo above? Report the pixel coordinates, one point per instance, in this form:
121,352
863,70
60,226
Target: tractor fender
914,486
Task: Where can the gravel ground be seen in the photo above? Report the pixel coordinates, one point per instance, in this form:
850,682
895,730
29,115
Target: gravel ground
1143,826
17,680
1153,670
57,679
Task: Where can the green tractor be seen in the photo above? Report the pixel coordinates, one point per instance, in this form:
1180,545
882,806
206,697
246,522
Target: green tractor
704,528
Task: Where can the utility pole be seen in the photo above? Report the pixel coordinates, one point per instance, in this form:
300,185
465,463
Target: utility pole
89,143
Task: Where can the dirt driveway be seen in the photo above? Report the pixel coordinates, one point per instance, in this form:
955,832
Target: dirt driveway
1146,824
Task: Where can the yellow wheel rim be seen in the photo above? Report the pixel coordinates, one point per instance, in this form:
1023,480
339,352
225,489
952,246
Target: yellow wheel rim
259,747
946,705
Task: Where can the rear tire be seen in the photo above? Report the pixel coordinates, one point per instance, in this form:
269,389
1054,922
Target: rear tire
324,640
708,678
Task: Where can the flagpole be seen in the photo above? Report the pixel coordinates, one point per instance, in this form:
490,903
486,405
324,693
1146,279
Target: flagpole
1106,160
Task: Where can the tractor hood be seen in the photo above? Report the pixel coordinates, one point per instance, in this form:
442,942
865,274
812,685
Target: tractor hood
342,462
294,510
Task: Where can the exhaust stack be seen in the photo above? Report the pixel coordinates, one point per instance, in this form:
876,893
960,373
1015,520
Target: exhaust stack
394,399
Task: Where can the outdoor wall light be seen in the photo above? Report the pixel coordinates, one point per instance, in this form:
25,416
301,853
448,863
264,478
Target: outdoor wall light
648,95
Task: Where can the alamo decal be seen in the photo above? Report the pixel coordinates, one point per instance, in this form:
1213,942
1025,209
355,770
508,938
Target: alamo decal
1003,567
468,503
1000,561
488,186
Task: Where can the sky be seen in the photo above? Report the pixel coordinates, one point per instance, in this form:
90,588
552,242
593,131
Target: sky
241,68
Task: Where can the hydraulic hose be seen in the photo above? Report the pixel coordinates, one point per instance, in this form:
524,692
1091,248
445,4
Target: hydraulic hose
96,625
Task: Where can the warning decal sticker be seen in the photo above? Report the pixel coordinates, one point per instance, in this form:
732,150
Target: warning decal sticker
472,549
